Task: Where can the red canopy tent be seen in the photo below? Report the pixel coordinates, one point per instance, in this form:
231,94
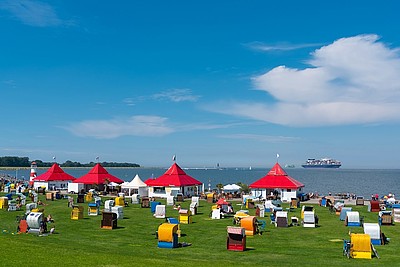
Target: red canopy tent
174,176
277,178
149,181
55,173
53,178
98,175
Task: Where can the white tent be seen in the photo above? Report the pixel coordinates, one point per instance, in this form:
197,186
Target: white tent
136,186
232,187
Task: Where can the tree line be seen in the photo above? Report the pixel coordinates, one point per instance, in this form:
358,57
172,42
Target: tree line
10,161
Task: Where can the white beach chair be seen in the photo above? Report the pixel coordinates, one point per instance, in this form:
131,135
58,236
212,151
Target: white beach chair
160,212
374,231
170,201
353,218
309,219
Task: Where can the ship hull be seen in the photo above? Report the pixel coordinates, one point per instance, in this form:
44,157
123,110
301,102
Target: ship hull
331,166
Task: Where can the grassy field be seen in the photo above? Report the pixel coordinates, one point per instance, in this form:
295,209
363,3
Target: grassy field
133,243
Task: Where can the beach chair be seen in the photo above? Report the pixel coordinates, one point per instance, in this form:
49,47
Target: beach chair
236,238
175,221
135,199
385,217
193,208
160,212
185,216
108,204
170,201
352,218
3,203
373,206
294,203
338,207
294,221
305,208
196,200
374,231
343,213
260,210
77,213
93,209
34,221
360,200
396,212
239,215
216,214
119,210
281,219
167,235
153,205
12,206
360,246
309,219
145,202
109,220
249,224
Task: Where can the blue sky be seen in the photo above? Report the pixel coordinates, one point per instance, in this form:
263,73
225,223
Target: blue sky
228,82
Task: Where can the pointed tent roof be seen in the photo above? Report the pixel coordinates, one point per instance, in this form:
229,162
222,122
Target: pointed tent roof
174,176
137,182
277,178
98,175
55,173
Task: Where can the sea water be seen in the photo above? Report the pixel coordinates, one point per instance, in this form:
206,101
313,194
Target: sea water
361,182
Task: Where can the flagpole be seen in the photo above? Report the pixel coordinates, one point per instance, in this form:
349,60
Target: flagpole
277,157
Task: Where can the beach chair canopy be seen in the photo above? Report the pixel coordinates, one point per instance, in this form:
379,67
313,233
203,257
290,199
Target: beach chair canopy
309,217
353,217
373,230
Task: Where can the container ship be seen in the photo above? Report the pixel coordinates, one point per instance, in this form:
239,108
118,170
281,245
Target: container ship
322,163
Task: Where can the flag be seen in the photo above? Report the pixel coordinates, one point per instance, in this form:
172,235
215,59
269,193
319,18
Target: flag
174,158
277,155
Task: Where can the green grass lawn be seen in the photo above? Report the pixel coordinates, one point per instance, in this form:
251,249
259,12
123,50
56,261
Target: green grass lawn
133,243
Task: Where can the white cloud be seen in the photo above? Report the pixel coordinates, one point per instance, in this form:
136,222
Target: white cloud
33,13
108,129
261,138
278,47
351,81
176,95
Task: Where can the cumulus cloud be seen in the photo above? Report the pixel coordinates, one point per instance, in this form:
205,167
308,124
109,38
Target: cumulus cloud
33,13
351,81
108,129
177,95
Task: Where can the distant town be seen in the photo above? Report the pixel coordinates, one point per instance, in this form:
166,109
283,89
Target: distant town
21,162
